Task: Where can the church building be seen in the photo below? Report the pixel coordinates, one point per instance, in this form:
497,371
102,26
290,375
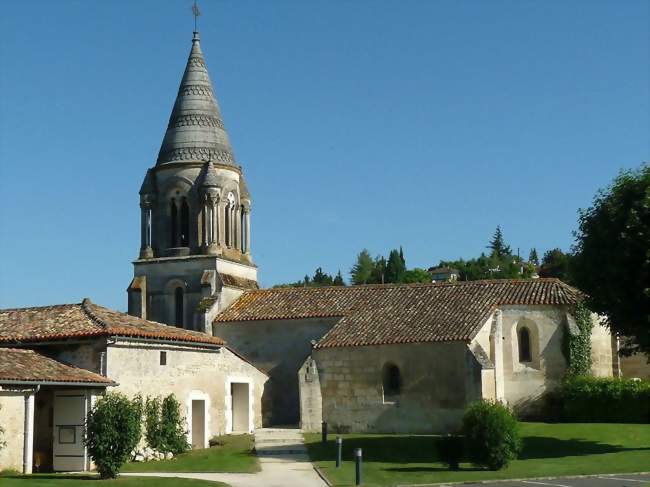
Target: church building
377,358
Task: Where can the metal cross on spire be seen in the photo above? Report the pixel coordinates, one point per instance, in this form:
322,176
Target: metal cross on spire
196,12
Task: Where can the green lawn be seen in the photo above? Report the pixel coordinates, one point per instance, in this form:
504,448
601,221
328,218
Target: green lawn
549,450
235,455
64,480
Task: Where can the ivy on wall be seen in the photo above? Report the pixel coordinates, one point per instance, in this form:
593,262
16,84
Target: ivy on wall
577,346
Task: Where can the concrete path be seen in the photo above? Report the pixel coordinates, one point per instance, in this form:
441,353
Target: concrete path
283,458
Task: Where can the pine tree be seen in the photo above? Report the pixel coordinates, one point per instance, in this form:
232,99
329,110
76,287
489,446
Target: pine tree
362,270
497,244
395,267
338,280
532,257
378,271
401,256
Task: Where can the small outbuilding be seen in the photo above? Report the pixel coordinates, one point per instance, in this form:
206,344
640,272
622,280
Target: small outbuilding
55,361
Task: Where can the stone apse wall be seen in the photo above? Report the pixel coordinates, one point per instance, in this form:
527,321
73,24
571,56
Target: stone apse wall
437,381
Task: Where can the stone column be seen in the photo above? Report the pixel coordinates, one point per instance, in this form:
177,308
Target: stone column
206,222
237,243
146,251
214,236
248,230
221,212
28,442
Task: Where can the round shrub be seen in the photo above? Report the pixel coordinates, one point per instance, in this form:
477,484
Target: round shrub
450,450
112,432
492,434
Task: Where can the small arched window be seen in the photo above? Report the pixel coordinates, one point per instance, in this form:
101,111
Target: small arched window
185,223
179,311
392,380
174,224
523,340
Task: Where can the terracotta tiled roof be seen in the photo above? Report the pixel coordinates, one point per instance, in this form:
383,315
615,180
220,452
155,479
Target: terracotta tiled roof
22,365
240,282
86,320
373,315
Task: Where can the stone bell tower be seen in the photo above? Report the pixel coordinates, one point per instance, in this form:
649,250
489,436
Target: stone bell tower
195,248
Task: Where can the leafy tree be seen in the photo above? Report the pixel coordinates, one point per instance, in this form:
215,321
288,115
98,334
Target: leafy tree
556,263
416,275
378,275
113,429
497,244
361,272
395,267
321,278
172,426
338,280
612,256
532,257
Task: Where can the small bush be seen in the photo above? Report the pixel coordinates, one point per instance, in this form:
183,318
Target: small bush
492,434
450,450
152,435
216,441
605,400
172,426
113,429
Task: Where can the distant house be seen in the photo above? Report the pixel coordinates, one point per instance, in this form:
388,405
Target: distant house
443,274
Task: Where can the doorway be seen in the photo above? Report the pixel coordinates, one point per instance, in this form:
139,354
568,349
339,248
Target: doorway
198,423
240,407
69,419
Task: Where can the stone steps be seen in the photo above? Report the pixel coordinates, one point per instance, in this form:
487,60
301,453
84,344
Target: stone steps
279,442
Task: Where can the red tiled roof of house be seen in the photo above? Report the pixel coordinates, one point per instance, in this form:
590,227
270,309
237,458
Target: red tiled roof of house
400,313
23,365
87,320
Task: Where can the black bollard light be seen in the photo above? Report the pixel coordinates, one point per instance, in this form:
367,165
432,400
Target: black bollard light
339,450
357,459
324,432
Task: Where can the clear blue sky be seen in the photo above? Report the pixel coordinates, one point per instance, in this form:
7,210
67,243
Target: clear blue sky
360,123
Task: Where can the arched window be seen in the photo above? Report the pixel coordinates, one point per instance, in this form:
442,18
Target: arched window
391,380
524,345
229,220
174,224
178,307
185,223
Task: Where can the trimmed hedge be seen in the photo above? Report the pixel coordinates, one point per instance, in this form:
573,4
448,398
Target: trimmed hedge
605,400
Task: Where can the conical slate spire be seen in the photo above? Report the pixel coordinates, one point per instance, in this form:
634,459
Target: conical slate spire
196,131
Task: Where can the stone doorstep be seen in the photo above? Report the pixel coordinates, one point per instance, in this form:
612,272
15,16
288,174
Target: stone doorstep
278,440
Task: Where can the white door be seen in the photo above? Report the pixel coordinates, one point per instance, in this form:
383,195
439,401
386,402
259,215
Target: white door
69,418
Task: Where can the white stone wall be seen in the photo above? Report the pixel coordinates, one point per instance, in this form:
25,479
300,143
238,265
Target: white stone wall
280,347
12,420
438,381
603,351
311,400
635,366
191,372
524,384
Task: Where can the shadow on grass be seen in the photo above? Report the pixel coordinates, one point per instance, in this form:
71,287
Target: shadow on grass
546,447
432,469
422,449
56,476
